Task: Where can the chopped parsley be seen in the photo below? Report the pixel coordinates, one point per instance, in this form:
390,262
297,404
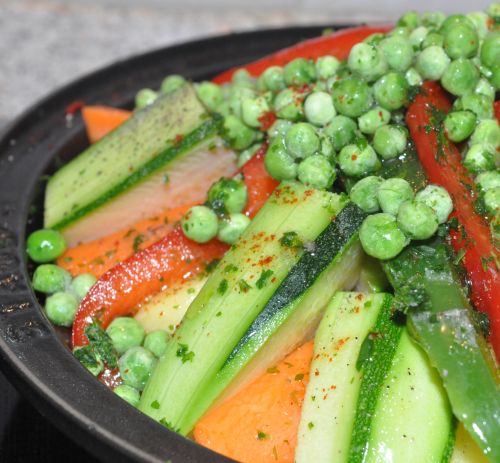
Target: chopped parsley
261,435
310,425
101,344
184,353
210,267
244,286
273,370
230,268
264,277
222,288
138,240
155,404
299,377
291,240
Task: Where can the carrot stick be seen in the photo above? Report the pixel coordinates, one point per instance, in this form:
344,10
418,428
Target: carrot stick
98,256
100,120
260,422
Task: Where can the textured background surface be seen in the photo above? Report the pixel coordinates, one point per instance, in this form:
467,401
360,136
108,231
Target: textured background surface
45,43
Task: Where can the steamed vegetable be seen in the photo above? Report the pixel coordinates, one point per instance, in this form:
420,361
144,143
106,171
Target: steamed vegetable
100,120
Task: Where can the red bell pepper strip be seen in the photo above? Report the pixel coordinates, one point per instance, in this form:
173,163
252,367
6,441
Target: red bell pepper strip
170,260
496,107
338,44
443,166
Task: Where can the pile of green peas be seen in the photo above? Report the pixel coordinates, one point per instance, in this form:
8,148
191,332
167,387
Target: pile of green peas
222,215
139,353
404,216
63,292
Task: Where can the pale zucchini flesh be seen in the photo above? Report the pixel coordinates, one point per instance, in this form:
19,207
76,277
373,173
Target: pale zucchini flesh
222,311
137,148
332,393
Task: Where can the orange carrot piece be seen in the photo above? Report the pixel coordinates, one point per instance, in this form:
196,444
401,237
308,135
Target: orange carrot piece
260,422
98,256
100,120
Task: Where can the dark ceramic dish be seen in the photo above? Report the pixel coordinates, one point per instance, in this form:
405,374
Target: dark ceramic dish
35,355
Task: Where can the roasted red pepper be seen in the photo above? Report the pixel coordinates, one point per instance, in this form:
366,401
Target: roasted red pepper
168,261
338,44
441,160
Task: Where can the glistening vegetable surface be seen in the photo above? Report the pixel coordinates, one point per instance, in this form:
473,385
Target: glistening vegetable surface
442,163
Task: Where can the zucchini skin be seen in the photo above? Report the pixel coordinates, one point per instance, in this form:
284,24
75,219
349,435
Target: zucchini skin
441,320
326,247
333,249
151,138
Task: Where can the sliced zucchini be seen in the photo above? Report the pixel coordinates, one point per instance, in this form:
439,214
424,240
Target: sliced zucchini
150,140
233,296
292,314
328,414
466,450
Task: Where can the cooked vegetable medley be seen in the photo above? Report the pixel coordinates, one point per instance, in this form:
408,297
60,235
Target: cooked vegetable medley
313,274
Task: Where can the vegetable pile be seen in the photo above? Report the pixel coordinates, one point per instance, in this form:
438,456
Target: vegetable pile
328,289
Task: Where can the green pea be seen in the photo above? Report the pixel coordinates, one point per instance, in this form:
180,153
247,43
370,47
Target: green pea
454,20
200,224
272,79
210,94
82,283
128,394
492,200
410,19
481,22
417,220
390,141
45,245
232,227
391,91
400,31
398,53
495,76
237,134
252,111
461,41
228,195
490,50
357,161
433,38
364,193
374,39
326,67
299,71
172,83
392,193
279,128
432,19
319,109
367,61
248,154
341,131
317,172
145,97
432,62
459,125
487,132
417,37
479,158
288,104
49,279
156,342
351,97
125,332
493,12
370,121
488,180
302,140
279,164
483,87
236,96
381,237
413,77
438,199
479,104
61,308
136,366
242,78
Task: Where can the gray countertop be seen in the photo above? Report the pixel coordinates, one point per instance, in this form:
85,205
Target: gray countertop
46,43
